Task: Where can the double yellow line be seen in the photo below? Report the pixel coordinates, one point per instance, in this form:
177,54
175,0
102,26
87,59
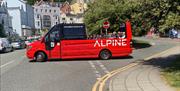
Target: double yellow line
99,85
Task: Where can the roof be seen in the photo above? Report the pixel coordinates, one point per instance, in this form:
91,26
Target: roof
52,4
3,10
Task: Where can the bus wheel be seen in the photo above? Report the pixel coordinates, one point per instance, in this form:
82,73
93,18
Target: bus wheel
105,54
40,57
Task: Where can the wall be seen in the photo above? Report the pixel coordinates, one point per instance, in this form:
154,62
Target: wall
44,9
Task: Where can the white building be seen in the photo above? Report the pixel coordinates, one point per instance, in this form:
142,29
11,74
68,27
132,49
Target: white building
22,17
46,14
5,19
71,18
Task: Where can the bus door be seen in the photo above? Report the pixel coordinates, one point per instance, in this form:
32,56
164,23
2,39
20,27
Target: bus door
52,43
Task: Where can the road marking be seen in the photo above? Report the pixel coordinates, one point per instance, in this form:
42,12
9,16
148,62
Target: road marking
97,73
153,43
7,64
11,62
101,82
103,67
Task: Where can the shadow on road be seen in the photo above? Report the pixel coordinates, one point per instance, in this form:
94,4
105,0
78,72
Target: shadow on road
84,59
165,62
1,52
139,44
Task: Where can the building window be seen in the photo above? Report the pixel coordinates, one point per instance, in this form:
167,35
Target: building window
50,10
63,19
54,11
47,21
2,22
45,10
56,17
71,19
38,23
41,10
38,16
36,10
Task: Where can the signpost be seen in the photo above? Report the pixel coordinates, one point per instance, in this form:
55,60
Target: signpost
106,25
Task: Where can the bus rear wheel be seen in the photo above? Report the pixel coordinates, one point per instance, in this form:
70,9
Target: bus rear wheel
40,57
105,54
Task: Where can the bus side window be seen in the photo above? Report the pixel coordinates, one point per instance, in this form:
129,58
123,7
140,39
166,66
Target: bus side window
54,34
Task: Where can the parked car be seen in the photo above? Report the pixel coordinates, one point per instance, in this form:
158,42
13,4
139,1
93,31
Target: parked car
31,39
27,42
19,44
5,45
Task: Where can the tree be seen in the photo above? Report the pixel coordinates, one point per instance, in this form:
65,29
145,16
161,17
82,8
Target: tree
116,12
31,2
143,14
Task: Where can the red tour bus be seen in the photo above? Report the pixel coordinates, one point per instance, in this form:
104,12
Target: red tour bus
69,41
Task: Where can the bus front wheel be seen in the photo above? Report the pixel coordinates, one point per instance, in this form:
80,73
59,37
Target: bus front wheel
105,54
40,57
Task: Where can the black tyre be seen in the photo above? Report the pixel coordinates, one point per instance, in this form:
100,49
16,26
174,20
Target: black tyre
40,57
105,54
4,50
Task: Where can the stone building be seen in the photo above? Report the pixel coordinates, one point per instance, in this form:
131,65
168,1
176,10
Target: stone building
46,15
5,19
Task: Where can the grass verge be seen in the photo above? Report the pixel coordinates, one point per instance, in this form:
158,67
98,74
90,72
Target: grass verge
172,74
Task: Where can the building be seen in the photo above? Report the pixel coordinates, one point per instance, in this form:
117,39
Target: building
22,17
79,7
73,13
65,8
5,19
66,16
46,14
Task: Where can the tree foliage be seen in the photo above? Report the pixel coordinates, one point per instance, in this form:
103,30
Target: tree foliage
144,14
31,2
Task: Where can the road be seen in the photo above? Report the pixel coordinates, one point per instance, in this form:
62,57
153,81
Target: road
19,74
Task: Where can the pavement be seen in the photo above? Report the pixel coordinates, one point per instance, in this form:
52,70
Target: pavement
147,75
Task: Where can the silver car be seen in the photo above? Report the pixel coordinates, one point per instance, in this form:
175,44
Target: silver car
5,45
19,44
